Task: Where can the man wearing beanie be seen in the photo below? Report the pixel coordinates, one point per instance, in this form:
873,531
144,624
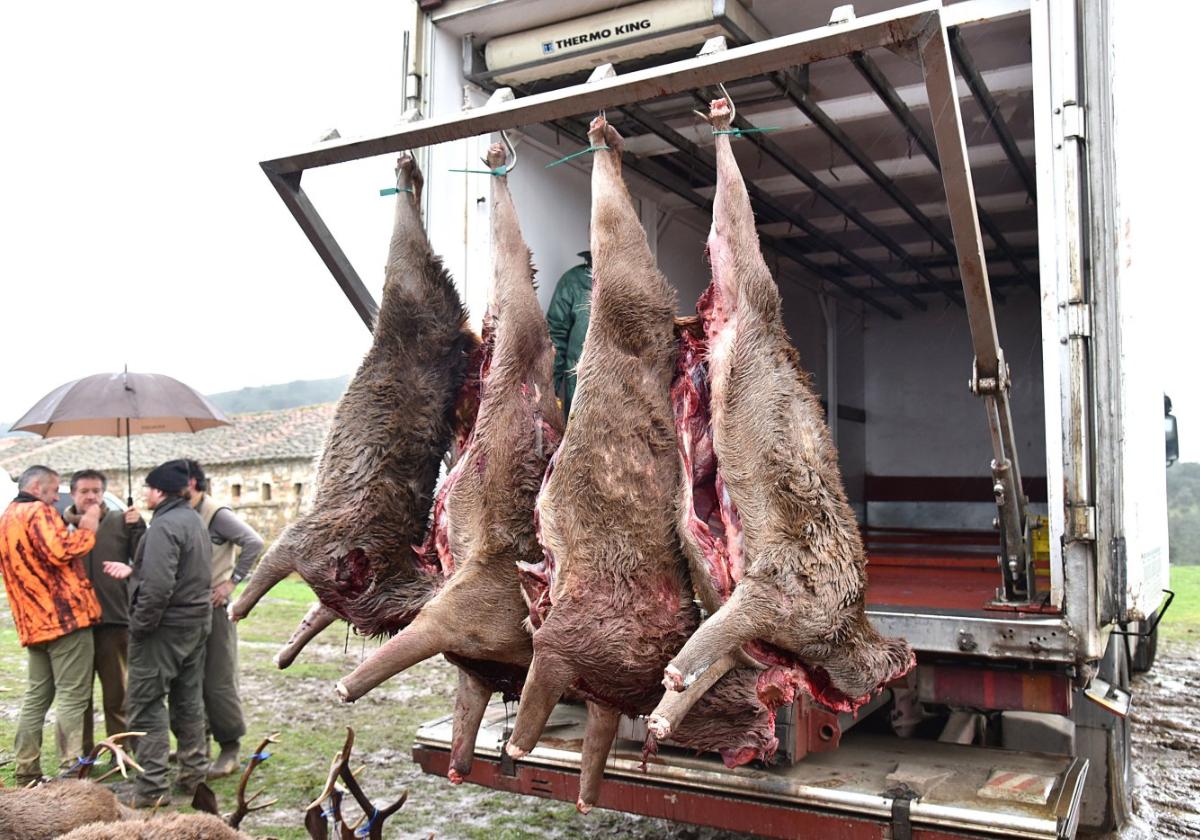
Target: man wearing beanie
222,702
170,615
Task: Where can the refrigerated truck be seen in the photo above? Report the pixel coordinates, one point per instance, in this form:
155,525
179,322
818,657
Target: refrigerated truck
942,194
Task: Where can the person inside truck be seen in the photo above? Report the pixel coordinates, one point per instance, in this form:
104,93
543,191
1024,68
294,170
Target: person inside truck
567,318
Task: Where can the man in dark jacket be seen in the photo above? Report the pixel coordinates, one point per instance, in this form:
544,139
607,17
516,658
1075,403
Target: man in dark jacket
567,318
116,538
222,699
170,615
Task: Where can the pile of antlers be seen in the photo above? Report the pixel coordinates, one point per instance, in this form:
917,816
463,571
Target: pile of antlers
205,800
326,809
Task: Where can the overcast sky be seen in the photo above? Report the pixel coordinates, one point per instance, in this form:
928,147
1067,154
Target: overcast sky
138,228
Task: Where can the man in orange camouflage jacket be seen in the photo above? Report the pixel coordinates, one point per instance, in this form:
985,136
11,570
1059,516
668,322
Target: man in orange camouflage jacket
54,608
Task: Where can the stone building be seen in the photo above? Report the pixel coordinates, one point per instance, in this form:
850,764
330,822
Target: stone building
262,465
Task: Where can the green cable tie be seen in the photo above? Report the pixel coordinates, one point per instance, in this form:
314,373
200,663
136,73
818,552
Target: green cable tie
394,190
581,152
738,132
502,169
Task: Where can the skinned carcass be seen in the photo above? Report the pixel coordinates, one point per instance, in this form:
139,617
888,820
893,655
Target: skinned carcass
357,547
483,520
611,601
774,547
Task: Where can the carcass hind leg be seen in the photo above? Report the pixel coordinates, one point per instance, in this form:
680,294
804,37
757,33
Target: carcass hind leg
469,705
675,705
597,741
422,639
745,616
548,679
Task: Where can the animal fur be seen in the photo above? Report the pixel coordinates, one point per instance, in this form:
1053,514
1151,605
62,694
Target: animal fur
620,601
56,807
381,459
160,827
484,524
791,584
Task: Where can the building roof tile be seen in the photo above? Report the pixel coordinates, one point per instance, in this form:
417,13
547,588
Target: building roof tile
289,434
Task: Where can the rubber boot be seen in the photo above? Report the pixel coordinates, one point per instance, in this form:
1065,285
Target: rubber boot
227,761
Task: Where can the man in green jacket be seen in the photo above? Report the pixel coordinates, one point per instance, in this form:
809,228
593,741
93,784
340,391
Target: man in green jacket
116,539
170,616
567,317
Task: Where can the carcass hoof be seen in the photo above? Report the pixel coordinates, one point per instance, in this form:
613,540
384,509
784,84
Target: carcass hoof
583,807
455,777
343,693
659,726
514,751
672,679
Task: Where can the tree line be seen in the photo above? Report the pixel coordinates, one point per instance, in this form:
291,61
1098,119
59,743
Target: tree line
1183,513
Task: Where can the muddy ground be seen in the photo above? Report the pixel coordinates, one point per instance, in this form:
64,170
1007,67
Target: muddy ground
1166,745
300,704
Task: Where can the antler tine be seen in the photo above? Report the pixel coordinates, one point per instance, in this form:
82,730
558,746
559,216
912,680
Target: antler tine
335,769
119,755
372,816
243,804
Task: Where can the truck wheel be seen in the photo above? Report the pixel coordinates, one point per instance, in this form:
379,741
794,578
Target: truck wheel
1145,648
1104,740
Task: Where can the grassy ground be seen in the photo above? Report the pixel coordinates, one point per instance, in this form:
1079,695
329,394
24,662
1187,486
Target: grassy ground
300,704
1183,619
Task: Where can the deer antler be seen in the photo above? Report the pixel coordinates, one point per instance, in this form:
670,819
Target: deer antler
119,755
316,815
371,824
244,805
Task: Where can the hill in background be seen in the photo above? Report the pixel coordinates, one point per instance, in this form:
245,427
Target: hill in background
287,395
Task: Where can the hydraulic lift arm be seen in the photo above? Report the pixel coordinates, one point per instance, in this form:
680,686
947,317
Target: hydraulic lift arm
990,377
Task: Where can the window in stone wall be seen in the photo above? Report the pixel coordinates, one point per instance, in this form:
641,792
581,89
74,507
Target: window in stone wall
266,492
235,490
298,489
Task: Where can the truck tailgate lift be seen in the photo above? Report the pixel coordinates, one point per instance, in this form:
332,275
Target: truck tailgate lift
945,790
990,377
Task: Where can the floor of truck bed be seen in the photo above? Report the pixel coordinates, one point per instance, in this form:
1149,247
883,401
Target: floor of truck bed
947,581
959,788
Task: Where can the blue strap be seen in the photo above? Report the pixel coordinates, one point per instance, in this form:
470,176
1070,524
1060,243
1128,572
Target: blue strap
262,756
364,830
84,761
502,169
574,155
738,132
394,190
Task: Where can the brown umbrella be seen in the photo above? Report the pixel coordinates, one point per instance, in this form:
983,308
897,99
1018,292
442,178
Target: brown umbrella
121,405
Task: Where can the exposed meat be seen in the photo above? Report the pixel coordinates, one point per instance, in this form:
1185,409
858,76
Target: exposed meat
611,600
773,544
381,460
483,519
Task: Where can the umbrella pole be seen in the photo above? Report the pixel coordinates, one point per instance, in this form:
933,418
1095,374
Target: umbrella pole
128,466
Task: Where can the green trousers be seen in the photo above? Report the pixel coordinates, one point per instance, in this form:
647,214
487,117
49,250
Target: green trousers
166,668
110,665
60,674
222,704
